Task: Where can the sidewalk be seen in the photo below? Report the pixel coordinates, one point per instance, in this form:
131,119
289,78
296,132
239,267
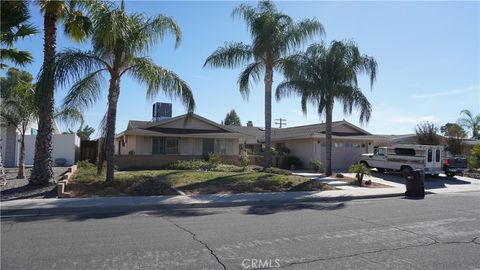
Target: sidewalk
47,206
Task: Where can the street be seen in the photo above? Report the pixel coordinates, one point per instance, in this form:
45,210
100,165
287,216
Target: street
438,232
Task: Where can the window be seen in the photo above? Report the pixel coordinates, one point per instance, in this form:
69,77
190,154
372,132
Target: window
437,155
405,151
380,152
171,146
429,155
162,146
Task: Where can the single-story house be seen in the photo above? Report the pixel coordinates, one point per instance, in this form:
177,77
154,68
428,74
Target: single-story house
163,140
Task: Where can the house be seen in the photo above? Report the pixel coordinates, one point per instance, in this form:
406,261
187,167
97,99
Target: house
166,139
64,145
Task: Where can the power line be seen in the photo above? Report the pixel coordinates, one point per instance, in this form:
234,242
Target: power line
281,122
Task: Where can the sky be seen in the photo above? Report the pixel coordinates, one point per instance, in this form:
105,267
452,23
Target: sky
428,56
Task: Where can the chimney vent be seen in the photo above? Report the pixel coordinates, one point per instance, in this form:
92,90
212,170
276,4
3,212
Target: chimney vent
161,111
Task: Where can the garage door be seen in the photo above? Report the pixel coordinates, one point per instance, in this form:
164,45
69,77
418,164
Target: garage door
344,154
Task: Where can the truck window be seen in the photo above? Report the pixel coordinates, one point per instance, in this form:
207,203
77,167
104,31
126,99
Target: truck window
405,151
437,155
429,155
380,152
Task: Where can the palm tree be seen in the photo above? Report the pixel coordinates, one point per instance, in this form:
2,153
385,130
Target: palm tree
322,76
77,26
14,26
470,121
120,42
274,35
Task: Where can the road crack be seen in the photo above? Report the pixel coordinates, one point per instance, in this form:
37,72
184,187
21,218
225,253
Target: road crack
194,237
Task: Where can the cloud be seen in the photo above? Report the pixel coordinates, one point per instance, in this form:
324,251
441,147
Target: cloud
448,93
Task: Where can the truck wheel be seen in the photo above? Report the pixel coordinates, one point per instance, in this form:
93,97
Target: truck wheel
450,174
380,170
405,169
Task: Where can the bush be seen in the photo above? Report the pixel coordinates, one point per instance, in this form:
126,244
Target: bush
339,175
360,170
317,166
189,165
85,164
474,160
277,171
289,161
244,159
214,159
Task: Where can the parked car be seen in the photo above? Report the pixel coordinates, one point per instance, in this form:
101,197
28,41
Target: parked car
455,165
405,158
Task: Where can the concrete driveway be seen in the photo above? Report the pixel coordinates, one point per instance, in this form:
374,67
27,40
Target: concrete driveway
439,184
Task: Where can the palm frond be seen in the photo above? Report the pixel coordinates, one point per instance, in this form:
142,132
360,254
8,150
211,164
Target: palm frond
69,116
84,92
160,79
254,71
71,65
231,55
303,31
156,28
19,58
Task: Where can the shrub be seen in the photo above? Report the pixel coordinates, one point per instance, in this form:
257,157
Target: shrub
368,182
150,187
85,164
244,159
189,165
339,175
317,166
474,160
214,159
289,161
277,171
360,170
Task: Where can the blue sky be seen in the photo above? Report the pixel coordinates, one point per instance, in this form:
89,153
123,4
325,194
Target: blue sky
428,55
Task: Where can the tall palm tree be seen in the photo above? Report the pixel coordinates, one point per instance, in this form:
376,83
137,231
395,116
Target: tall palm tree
77,26
14,25
470,121
322,76
274,35
120,42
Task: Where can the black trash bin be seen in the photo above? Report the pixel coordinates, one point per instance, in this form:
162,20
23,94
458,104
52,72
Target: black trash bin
415,183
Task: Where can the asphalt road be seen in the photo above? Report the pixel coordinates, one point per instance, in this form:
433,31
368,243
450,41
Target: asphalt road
439,232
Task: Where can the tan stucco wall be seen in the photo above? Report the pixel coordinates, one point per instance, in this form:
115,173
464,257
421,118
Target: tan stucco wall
142,145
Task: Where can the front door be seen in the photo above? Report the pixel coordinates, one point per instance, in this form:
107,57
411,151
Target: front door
208,146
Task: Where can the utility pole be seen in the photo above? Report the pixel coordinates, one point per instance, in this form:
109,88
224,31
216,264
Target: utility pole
281,122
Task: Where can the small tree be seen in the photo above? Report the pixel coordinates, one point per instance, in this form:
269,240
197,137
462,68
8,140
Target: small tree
427,133
455,135
232,119
82,132
244,159
470,121
19,110
359,170
317,166
474,161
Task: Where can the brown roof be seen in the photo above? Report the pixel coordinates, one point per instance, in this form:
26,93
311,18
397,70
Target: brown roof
249,131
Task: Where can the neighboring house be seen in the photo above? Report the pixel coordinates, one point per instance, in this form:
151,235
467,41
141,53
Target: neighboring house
150,144
308,142
10,144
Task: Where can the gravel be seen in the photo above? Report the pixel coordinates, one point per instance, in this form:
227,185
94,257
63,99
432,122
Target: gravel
19,189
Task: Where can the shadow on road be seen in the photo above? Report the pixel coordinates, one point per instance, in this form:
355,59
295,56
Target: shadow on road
272,209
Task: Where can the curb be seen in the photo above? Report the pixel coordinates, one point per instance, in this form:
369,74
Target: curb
135,208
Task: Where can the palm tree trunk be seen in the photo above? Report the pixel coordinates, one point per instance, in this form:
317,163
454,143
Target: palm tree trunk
328,139
111,118
42,171
21,159
268,114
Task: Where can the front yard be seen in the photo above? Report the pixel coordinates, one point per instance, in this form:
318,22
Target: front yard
86,183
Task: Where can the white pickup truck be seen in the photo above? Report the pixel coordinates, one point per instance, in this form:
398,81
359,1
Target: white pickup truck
405,158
